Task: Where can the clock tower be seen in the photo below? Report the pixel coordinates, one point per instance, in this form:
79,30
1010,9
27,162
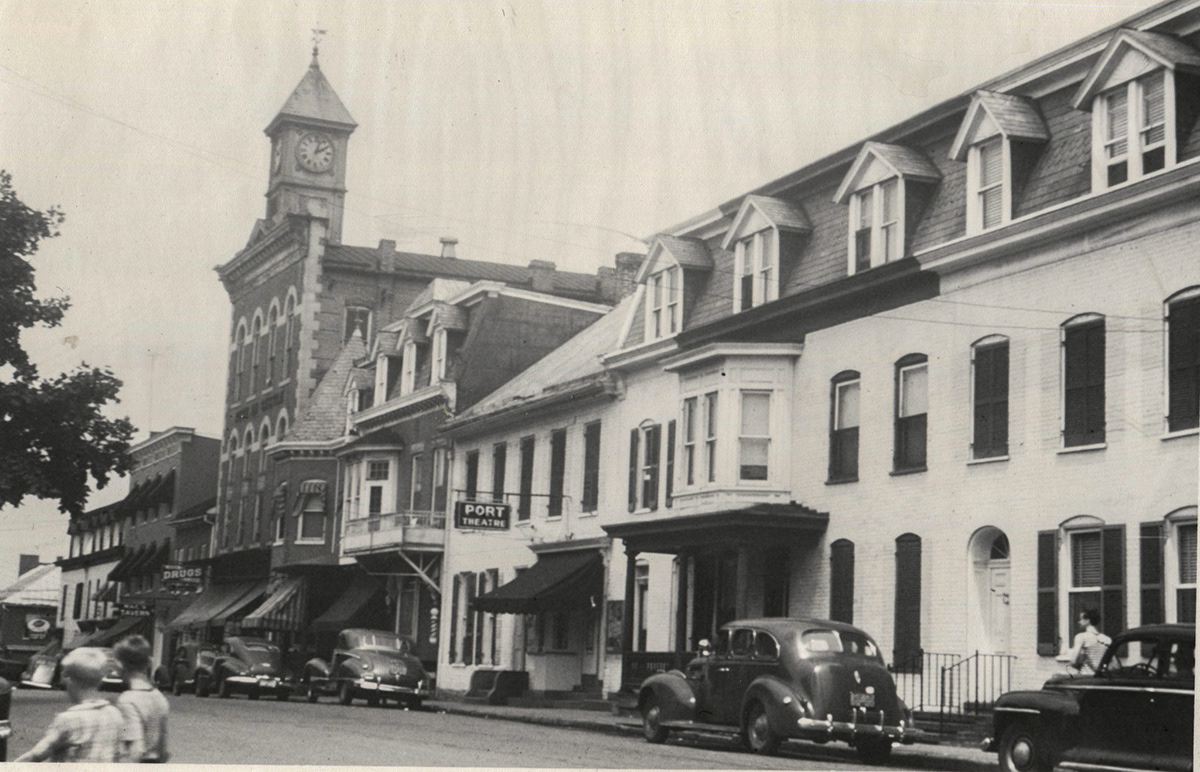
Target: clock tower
308,152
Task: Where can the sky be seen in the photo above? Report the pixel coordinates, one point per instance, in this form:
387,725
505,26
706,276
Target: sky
562,130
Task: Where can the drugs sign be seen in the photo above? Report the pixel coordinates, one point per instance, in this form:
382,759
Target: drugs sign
173,573
490,517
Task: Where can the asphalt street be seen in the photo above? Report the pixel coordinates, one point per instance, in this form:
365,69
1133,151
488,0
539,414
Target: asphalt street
238,731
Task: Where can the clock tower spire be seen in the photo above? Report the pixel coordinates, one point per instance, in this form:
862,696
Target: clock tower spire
309,136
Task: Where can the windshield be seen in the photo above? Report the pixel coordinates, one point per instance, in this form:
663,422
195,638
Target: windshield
260,653
842,642
379,642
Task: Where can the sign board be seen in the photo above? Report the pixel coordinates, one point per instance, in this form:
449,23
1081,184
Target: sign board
173,573
135,609
490,517
37,627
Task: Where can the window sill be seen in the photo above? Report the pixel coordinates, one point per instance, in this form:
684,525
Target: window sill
1181,433
988,460
841,480
1082,448
592,513
277,543
309,541
903,472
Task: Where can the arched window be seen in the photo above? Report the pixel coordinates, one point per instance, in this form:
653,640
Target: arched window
1183,360
281,431
843,426
912,406
289,334
264,438
1083,380
256,353
239,359
841,581
272,341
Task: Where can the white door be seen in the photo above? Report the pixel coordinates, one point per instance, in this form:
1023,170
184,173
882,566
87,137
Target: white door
999,614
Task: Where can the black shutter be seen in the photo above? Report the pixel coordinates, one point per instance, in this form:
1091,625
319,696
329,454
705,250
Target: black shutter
469,631
499,462
558,469
1047,593
1183,362
841,581
991,401
633,470
1151,548
525,501
907,631
650,483
472,474
480,583
454,618
1083,400
1112,591
591,466
670,483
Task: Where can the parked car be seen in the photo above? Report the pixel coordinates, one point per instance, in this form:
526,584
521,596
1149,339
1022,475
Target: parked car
42,670
191,666
12,666
369,664
252,666
770,680
1134,712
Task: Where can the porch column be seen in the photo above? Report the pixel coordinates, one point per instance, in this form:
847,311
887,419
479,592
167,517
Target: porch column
627,615
743,581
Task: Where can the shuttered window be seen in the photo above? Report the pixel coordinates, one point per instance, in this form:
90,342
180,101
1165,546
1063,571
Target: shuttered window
1083,384
472,474
455,610
990,437
991,183
1185,593
469,581
499,462
1098,576
841,581
1183,364
558,470
591,467
670,474
525,499
1150,547
1047,593
907,630
650,463
634,438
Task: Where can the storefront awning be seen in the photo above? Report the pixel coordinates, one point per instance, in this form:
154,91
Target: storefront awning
338,616
281,611
761,525
119,570
109,635
213,605
242,604
557,581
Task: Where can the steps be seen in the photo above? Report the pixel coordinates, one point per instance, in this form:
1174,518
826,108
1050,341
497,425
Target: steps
955,729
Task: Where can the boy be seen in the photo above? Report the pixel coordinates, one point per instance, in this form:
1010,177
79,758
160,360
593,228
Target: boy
91,729
144,706
1090,644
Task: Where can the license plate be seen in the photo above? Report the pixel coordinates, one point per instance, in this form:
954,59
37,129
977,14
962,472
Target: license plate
268,683
860,700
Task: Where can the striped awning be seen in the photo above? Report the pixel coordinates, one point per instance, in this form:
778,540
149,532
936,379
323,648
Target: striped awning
282,611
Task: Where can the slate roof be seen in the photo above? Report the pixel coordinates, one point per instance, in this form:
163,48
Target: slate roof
325,418
783,213
1166,48
689,253
314,98
457,268
907,161
1015,115
575,360
36,587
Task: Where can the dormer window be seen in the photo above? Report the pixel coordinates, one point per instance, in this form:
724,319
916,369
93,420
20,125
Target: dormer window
763,239
1135,91
885,186
408,373
439,354
665,289
1000,138
668,262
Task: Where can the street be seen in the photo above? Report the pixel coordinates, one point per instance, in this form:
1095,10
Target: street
238,731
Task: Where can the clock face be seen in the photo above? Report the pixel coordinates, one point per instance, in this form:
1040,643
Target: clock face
315,152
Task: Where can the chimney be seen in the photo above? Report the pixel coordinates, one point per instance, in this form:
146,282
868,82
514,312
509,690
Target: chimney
27,563
623,280
542,274
387,255
448,243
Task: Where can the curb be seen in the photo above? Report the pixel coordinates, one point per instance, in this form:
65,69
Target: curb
603,727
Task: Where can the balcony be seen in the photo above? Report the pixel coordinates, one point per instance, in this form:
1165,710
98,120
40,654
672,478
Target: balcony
409,529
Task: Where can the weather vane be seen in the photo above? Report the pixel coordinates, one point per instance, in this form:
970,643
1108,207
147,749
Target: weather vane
316,39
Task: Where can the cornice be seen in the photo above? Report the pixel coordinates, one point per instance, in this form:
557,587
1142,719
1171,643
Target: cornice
713,351
267,246
435,395
581,392
641,355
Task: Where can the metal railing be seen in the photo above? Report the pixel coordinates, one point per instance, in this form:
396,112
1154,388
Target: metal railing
640,665
388,528
952,684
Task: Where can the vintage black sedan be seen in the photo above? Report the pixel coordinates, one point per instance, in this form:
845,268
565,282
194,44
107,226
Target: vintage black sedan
1134,712
770,680
191,667
369,664
252,666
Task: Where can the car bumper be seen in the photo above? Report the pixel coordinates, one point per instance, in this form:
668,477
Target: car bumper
850,731
258,682
379,687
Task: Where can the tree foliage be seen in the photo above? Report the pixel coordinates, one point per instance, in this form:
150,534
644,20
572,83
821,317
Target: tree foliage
53,436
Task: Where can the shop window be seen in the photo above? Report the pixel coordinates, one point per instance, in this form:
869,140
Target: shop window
843,431
1083,357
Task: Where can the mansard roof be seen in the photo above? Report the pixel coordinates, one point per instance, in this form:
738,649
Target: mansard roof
777,212
992,113
314,100
896,161
687,253
1130,53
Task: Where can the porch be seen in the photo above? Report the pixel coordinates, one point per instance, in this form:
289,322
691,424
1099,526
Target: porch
417,529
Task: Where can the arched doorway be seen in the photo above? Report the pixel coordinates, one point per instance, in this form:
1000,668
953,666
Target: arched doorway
990,619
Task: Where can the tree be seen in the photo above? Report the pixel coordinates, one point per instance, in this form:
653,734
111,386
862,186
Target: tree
53,436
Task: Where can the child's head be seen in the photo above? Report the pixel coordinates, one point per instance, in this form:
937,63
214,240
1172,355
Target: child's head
133,653
83,669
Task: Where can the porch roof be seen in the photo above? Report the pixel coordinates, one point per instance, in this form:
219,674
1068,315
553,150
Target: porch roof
761,525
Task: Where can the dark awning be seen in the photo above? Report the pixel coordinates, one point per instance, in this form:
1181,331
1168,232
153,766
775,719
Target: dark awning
241,604
213,601
118,571
338,616
557,581
281,611
760,525
109,635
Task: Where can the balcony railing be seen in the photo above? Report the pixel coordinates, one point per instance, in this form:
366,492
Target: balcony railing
394,529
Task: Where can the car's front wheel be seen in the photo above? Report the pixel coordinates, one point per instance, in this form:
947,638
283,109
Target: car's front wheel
177,685
345,693
759,735
312,694
201,686
875,751
1023,748
652,727
223,689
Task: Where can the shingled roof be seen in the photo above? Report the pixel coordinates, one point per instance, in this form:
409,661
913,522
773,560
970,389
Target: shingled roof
314,99
325,418
38,586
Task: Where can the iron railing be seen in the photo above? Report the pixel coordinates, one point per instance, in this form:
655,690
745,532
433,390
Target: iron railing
952,684
640,665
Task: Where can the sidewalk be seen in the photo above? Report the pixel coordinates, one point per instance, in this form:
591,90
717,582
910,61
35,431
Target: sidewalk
607,723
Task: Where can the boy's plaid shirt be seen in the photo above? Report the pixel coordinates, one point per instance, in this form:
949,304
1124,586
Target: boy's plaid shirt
93,730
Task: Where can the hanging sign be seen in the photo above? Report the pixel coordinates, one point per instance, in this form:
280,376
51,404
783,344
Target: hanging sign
173,573
489,517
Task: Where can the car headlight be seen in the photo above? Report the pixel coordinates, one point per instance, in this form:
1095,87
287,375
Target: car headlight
366,665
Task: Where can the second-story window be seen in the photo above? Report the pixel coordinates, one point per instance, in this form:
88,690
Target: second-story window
590,499
645,447
499,462
1083,381
1183,361
843,433
756,269
754,439
710,436
525,502
989,360
690,430
558,470
912,406
472,482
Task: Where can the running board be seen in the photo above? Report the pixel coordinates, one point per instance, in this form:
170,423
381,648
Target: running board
696,726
